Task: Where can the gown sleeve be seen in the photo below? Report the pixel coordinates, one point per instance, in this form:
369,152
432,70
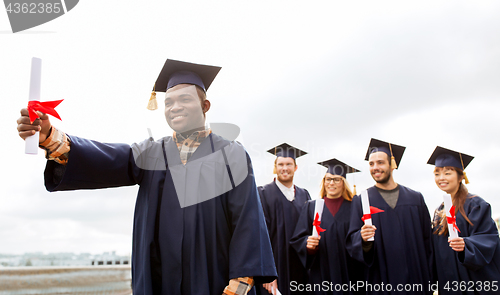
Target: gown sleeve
265,207
250,252
93,165
482,241
426,226
302,231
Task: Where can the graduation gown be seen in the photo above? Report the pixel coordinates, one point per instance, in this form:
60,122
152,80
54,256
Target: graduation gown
401,252
281,218
479,264
331,263
196,249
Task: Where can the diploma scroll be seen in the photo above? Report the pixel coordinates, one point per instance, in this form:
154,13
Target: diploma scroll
318,211
31,142
450,217
365,203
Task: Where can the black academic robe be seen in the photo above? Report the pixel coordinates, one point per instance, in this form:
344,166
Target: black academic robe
401,252
474,270
281,218
331,266
192,250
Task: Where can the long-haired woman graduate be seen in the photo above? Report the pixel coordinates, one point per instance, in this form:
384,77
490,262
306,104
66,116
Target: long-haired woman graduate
469,263
325,256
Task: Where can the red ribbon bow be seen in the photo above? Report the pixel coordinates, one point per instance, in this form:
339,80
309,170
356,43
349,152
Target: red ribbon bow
46,107
317,223
453,218
373,210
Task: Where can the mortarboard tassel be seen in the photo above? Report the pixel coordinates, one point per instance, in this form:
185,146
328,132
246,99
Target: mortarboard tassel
465,174
152,104
351,170
393,161
466,179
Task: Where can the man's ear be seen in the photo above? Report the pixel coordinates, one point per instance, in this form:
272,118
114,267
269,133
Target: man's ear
205,106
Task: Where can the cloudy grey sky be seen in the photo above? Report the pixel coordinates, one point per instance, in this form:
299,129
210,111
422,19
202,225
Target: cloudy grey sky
325,76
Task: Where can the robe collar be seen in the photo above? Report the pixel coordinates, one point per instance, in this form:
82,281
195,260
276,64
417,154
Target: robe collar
289,193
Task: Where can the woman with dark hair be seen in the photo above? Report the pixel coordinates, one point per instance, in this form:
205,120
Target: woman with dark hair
329,267
470,263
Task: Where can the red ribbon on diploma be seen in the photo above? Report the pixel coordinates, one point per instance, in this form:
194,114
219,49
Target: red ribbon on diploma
373,210
46,107
453,218
317,223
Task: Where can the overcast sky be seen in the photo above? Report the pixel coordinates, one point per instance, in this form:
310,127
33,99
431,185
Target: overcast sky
324,76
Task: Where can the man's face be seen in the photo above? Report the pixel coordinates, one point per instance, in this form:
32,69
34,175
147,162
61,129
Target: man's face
285,169
380,167
183,109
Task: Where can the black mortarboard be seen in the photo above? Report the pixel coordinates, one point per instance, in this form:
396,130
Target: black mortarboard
337,167
176,72
394,151
287,151
442,157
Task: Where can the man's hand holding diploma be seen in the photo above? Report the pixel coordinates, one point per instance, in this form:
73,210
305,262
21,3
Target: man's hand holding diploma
41,124
368,232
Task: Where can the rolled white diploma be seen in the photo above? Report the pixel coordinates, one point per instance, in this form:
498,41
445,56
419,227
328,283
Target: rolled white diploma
447,206
318,209
31,142
365,204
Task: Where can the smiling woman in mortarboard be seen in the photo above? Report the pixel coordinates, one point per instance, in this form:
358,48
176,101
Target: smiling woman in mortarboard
325,256
469,264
